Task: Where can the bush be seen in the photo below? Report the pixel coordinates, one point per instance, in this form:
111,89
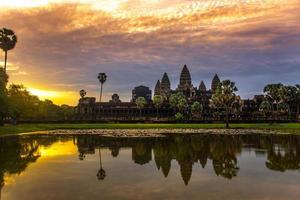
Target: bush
179,116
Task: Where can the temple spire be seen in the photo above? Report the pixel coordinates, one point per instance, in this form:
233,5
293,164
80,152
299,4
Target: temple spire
215,83
165,82
202,87
185,77
157,88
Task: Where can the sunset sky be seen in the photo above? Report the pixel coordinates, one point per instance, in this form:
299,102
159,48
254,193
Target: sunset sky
64,44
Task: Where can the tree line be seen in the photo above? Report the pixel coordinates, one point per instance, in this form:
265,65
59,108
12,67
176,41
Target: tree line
16,102
279,100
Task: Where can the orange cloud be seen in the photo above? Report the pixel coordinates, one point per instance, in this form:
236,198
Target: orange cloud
63,45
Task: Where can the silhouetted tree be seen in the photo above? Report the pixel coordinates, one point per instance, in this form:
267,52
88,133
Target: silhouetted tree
20,103
8,41
158,101
3,95
102,79
82,93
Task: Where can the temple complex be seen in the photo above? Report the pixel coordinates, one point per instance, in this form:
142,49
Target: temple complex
185,86
89,109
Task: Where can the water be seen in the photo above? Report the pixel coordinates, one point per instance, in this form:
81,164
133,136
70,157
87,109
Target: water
179,167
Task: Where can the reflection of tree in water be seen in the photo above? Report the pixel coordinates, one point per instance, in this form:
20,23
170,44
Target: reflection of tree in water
101,172
85,145
223,150
114,151
188,150
17,152
284,156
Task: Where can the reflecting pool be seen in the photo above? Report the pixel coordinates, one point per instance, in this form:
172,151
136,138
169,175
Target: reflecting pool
239,167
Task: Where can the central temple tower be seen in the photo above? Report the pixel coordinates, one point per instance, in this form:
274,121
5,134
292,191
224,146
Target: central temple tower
185,77
185,83
215,83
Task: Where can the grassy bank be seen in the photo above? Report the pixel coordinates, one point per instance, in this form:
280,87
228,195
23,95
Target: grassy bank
23,128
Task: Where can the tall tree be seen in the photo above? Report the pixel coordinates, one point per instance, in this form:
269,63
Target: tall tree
3,95
140,103
178,101
225,97
102,79
158,101
272,92
265,107
8,41
288,96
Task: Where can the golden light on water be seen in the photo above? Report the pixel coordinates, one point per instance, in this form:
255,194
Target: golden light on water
58,149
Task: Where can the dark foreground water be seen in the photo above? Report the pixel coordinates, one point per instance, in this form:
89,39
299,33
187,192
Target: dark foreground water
261,167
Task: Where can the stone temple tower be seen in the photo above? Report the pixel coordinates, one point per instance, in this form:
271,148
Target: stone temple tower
157,88
202,87
185,81
165,86
165,82
214,84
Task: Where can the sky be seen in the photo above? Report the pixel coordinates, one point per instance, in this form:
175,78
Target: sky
64,44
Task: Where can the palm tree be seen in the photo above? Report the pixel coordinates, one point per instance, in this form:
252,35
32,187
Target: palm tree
8,41
82,93
225,97
101,172
102,78
182,104
140,103
178,101
158,101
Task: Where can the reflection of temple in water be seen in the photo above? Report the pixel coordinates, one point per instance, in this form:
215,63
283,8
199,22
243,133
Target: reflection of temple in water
282,152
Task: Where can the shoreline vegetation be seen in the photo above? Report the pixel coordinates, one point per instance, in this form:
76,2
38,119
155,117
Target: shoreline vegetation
289,128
